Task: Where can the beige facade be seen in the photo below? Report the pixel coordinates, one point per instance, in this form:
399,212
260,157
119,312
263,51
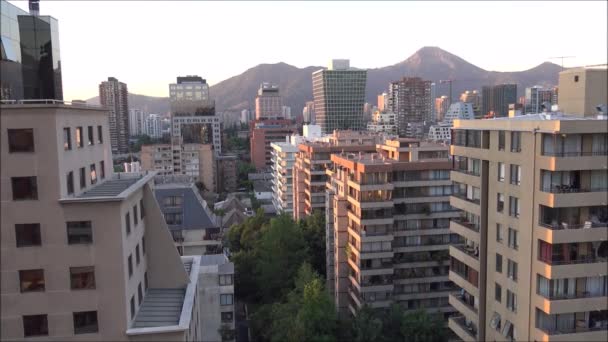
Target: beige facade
582,89
533,194
390,222
83,250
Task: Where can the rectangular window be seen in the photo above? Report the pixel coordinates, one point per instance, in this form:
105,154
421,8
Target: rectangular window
511,301
70,182
499,233
141,207
226,299
82,278
35,325
132,307
146,280
90,135
128,223
140,294
515,141
513,243
79,137
130,264
79,232
24,188
173,218
512,269
225,279
501,172
67,139
500,202
227,317
93,174
85,322
99,135
31,280
498,263
135,216
137,258
20,140
513,206
143,245
83,179
102,169
515,176
501,140
497,292
28,234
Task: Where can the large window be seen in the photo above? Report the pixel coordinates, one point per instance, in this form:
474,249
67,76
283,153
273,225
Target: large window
173,218
511,269
500,202
511,301
128,222
35,325
83,179
173,201
130,264
67,139
515,173
24,188
90,135
227,317
79,137
31,280
513,206
82,278
79,232
99,135
501,172
501,140
515,141
85,322
497,292
513,241
226,299
498,263
27,234
70,182
21,140
225,279
102,169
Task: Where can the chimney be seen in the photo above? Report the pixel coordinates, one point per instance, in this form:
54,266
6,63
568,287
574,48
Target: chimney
34,7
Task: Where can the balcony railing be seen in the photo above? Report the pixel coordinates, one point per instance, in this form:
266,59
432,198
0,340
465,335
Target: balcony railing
575,154
588,260
567,189
464,197
472,252
564,225
468,172
463,222
599,326
470,328
562,296
460,298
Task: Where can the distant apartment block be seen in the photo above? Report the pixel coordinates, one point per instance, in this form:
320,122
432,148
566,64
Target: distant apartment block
137,122
535,97
283,157
496,99
115,97
154,126
308,113
443,130
441,107
474,98
383,121
268,102
227,177
410,99
262,134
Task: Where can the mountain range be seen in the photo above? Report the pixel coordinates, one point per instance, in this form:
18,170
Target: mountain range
430,63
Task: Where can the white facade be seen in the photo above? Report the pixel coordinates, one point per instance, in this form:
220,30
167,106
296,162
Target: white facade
137,122
154,126
443,130
286,112
283,158
383,122
216,291
245,116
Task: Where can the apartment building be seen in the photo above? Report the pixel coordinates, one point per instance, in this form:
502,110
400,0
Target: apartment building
391,216
85,254
581,90
532,190
264,132
114,95
283,157
268,102
410,98
226,173
217,294
383,121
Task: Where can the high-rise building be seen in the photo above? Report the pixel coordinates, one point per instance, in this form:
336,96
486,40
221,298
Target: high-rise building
262,134
339,96
433,111
153,126
227,178
532,190
581,90
474,98
268,102
383,101
441,107
137,122
30,63
308,113
410,99
115,96
495,100
286,112
443,130
245,116
85,255
383,121
391,216
535,97
283,157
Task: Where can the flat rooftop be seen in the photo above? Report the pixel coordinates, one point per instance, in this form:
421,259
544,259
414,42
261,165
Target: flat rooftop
161,307
109,188
554,116
118,187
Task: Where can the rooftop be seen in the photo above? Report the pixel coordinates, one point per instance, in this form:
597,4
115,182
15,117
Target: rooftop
194,213
117,188
553,116
213,259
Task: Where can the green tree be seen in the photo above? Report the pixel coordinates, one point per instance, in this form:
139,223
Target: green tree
419,326
391,323
313,228
366,325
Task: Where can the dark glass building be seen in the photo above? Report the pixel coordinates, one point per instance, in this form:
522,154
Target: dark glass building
496,99
30,67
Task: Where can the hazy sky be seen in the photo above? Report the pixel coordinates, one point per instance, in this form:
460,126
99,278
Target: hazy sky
148,44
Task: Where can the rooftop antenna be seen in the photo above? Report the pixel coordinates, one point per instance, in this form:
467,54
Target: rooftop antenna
562,58
34,7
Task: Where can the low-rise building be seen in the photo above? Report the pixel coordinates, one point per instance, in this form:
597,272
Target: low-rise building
226,173
443,130
383,122
217,300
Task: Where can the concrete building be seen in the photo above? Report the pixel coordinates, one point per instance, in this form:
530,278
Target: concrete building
286,110
262,134
474,98
339,96
115,96
432,111
535,97
158,158
441,107
85,252
226,173
245,116
391,216
137,122
308,113
443,130
410,99
383,102
153,126
532,190
495,100
383,121
216,291
268,102
283,157
581,90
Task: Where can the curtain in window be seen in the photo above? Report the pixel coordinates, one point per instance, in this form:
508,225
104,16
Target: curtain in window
595,285
600,143
572,143
565,322
599,180
549,144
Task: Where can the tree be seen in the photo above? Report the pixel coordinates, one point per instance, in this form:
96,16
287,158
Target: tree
313,228
419,326
366,326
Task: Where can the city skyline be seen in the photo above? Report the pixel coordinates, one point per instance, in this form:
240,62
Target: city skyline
133,65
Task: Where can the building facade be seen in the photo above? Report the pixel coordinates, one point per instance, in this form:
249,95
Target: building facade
441,107
153,126
410,99
308,113
115,96
535,97
264,132
581,90
532,190
227,177
283,157
137,122
383,121
474,98
339,96
216,292
495,100
268,102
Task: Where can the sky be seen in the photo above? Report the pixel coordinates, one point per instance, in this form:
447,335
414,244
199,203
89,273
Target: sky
147,44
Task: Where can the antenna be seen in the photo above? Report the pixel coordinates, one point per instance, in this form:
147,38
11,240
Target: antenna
562,58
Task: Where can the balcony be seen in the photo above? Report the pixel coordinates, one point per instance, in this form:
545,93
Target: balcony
467,255
465,308
463,196
583,301
466,332
465,204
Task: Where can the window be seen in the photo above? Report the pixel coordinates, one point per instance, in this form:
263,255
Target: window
515,141
513,206
227,317
83,180
128,223
135,217
501,172
515,174
130,264
35,325
576,78
226,299
137,259
500,202
99,135
173,218
140,294
31,280
67,139
513,243
79,232
82,278
501,140
90,135
93,174
24,188
225,279
132,307
143,245
21,140
85,322
146,280
27,234
511,301
102,169
512,269
70,182
141,208
499,234
497,292
498,263
172,201
79,137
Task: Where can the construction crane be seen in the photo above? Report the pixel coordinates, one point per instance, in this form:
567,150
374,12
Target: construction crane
562,58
